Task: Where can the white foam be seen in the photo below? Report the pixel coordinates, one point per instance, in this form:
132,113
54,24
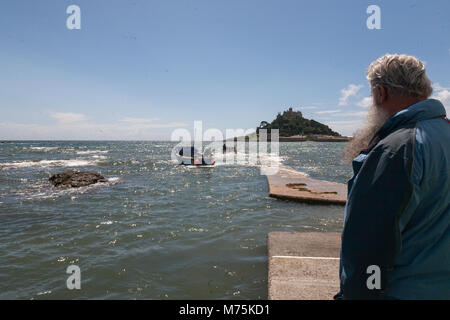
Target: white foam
107,222
44,149
252,159
48,163
92,151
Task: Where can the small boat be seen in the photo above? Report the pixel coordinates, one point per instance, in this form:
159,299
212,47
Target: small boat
189,156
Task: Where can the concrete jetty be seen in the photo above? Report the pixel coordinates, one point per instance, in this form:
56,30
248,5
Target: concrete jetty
303,266
289,184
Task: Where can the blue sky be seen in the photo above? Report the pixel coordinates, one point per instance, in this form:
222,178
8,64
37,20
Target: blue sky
139,69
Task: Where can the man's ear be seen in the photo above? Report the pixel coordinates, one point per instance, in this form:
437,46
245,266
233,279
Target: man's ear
380,94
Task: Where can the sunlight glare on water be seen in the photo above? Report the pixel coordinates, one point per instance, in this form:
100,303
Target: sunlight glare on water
154,230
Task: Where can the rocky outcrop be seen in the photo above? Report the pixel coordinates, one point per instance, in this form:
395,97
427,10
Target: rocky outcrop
76,179
292,123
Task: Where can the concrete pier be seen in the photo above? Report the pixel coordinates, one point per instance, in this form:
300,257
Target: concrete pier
289,184
303,266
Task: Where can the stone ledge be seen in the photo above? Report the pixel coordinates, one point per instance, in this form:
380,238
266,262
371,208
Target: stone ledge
289,184
303,266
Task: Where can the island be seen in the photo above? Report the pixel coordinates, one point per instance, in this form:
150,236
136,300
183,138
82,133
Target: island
293,127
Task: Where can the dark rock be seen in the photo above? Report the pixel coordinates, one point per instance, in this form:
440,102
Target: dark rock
76,179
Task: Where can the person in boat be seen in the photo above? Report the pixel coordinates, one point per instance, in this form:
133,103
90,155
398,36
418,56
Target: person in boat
226,149
188,152
191,152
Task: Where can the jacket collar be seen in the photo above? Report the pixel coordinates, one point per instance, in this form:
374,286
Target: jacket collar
422,110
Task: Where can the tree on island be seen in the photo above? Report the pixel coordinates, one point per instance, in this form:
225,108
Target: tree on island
291,123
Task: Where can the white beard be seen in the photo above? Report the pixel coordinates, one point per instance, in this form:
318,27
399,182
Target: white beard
376,117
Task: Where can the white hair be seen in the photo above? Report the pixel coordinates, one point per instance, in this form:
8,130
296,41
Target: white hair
402,75
375,119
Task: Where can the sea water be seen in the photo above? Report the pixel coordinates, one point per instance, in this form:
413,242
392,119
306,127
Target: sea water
155,230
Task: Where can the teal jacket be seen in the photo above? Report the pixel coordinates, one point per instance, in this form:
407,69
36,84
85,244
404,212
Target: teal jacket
397,215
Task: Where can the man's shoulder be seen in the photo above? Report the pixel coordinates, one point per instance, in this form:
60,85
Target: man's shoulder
435,129
424,143
432,145
401,140
432,138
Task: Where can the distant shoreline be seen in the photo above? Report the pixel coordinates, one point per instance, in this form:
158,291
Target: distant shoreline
314,138
317,138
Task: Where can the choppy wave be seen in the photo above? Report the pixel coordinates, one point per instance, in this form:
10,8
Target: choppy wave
252,159
148,212
92,151
48,163
43,149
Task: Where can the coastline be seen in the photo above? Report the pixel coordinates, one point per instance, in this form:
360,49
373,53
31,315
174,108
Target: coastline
316,138
298,138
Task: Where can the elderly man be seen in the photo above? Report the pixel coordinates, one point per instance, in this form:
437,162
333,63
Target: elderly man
396,236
